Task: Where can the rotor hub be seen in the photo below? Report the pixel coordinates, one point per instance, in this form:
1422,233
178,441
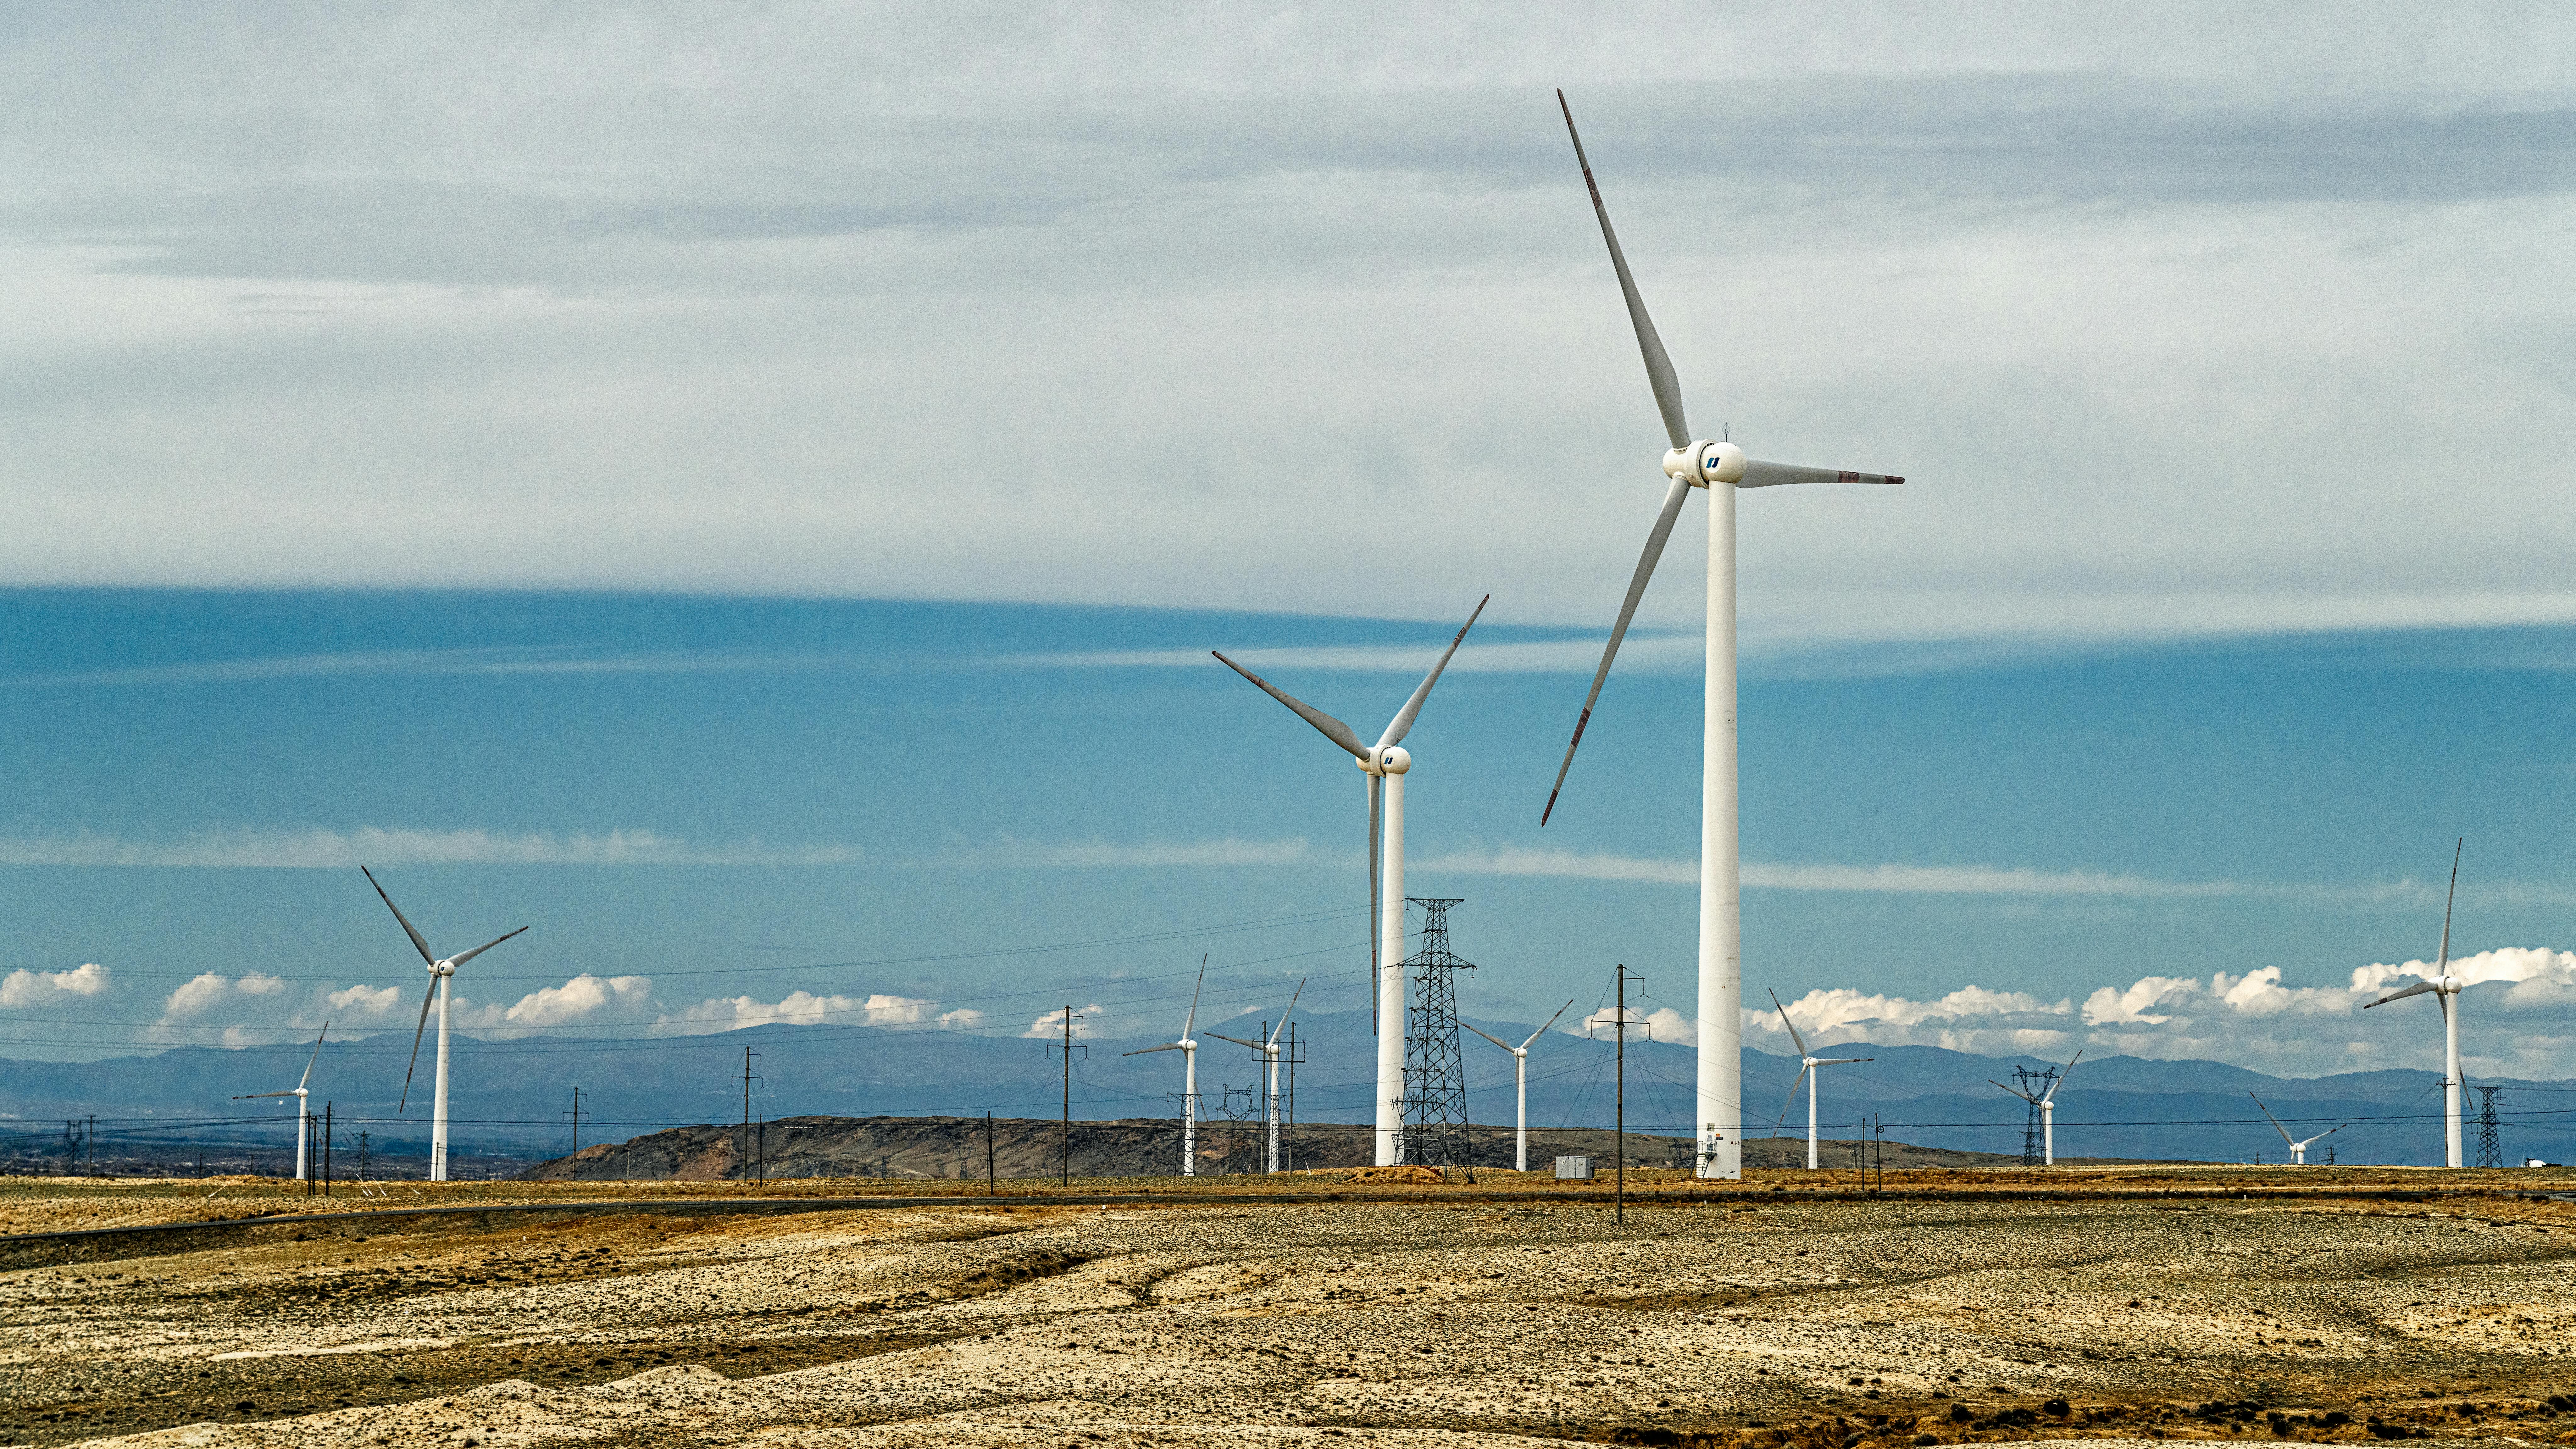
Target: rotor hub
1393,760
1704,463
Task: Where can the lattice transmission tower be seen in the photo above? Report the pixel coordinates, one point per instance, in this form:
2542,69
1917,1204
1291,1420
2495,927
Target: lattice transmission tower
1435,1070
2490,1147
2035,1086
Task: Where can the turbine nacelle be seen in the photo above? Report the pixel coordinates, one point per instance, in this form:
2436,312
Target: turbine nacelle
1703,463
1393,760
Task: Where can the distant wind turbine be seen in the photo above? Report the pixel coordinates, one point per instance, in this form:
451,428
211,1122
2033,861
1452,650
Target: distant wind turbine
1807,1063
2046,1102
1520,1082
2446,990
440,970
1385,765
302,1112
1269,1048
2298,1148
1188,1047
1721,468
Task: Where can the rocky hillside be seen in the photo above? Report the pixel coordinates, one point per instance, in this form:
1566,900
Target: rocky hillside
950,1148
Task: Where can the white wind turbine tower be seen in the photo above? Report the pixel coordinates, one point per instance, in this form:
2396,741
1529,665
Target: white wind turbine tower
2446,989
440,970
1385,766
2298,1147
1721,468
1807,1063
1520,1083
302,1112
2046,1102
1269,1049
1188,1047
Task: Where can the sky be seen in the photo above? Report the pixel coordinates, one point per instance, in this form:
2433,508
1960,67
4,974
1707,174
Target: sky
746,490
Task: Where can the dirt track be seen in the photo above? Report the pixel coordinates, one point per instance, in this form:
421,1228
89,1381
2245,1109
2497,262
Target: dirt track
1758,1319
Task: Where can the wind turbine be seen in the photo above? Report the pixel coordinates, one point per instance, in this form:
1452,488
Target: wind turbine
440,969
1520,1082
2298,1149
2046,1102
1721,468
1807,1063
1269,1048
2446,989
1385,766
302,1113
1188,1047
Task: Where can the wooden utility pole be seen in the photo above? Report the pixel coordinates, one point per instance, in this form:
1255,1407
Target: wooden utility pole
992,1187
748,1077
1621,1167
326,1149
576,1119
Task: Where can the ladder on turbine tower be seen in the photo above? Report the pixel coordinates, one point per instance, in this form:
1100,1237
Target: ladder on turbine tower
2034,1086
2490,1147
1435,1070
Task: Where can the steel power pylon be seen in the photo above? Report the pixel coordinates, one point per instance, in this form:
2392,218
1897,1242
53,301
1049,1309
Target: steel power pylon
2034,1085
1435,1070
2490,1147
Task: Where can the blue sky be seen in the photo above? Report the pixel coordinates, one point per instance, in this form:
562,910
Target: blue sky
716,487
722,802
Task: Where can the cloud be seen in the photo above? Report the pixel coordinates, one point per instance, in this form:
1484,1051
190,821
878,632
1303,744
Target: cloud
1652,652
364,1003
517,660
24,988
2250,1018
1052,1023
583,998
370,845
731,1013
1103,855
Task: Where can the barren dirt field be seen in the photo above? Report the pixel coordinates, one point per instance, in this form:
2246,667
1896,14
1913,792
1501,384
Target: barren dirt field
2344,1305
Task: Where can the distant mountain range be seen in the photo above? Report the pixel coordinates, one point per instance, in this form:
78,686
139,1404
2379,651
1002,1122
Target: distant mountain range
515,1096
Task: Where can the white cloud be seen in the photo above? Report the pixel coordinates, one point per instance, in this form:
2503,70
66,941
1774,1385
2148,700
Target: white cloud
208,990
371,845
364,1003
583,998
24,988
1101,854
1052,1023
730,1013
2251,1019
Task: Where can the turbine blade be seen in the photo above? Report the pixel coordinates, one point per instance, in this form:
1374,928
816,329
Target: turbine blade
1238,1041
1487,1035
2016,1091
2418,989
2276,1122
1169,1046
415,1044
486,946
1792,1099
1543,1026
2444,968
1758,474
309,1061
1402,725
2051,1094
1655,541
1841,1061
1333,729
1659,366
408,929
1785,1021
255,1096
1190,1024
1377,808
1292,1007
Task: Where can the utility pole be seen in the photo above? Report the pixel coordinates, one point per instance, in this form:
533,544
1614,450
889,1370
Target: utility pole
1296,1054
326,1149
362,1157
71,1147
1064,1135
89,1139
1621,1165
749,1076
992,1186
575,1114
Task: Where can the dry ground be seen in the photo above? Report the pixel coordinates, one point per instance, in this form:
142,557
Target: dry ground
1743,1316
